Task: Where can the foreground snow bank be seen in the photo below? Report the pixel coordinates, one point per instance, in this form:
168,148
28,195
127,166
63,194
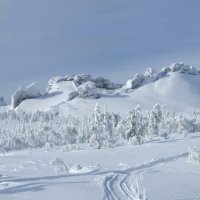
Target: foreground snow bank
125,172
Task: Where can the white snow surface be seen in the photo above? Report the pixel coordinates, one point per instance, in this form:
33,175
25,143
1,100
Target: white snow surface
179,92
156,170
21,94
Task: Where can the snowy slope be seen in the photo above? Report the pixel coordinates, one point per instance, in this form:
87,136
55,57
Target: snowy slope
178,91
129,172
122,173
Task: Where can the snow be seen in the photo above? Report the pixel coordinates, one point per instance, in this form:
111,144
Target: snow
194,155
75,159
177,91
21,94
88,90
58,94
158,170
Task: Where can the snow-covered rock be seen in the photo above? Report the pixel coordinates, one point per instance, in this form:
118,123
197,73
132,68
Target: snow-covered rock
168,88
105,84
57,79
182,68
82,78
163,72
74,88
77,79
150,73
72,95
135,82
88,90
83,86
29,92
84,82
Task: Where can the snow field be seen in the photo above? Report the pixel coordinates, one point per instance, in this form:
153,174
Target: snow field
156,170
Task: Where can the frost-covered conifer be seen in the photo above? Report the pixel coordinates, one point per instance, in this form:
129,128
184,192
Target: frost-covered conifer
96,126
134,126
155,117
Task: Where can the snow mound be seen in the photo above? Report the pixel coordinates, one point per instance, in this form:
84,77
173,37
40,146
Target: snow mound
29,92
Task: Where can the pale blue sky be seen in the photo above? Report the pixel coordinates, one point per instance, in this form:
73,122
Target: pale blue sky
115,38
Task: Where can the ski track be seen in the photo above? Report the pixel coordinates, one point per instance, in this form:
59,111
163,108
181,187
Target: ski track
119,184
127,184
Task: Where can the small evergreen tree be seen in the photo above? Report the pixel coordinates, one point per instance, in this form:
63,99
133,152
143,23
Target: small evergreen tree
134,126
155,118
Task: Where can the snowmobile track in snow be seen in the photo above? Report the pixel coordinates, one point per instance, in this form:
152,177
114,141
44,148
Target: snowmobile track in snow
127,184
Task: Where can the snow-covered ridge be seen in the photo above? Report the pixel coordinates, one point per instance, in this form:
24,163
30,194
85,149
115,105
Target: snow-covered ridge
138,80
151,75
175,86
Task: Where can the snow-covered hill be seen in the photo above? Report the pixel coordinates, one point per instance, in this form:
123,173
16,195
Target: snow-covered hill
103,155
176,87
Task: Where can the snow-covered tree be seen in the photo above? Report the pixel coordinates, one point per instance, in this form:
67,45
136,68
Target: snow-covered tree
97,126
101,82
88,90
59,166
115,119
154,119
20,130
107,130
194,155
134,126
135,82
71,135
